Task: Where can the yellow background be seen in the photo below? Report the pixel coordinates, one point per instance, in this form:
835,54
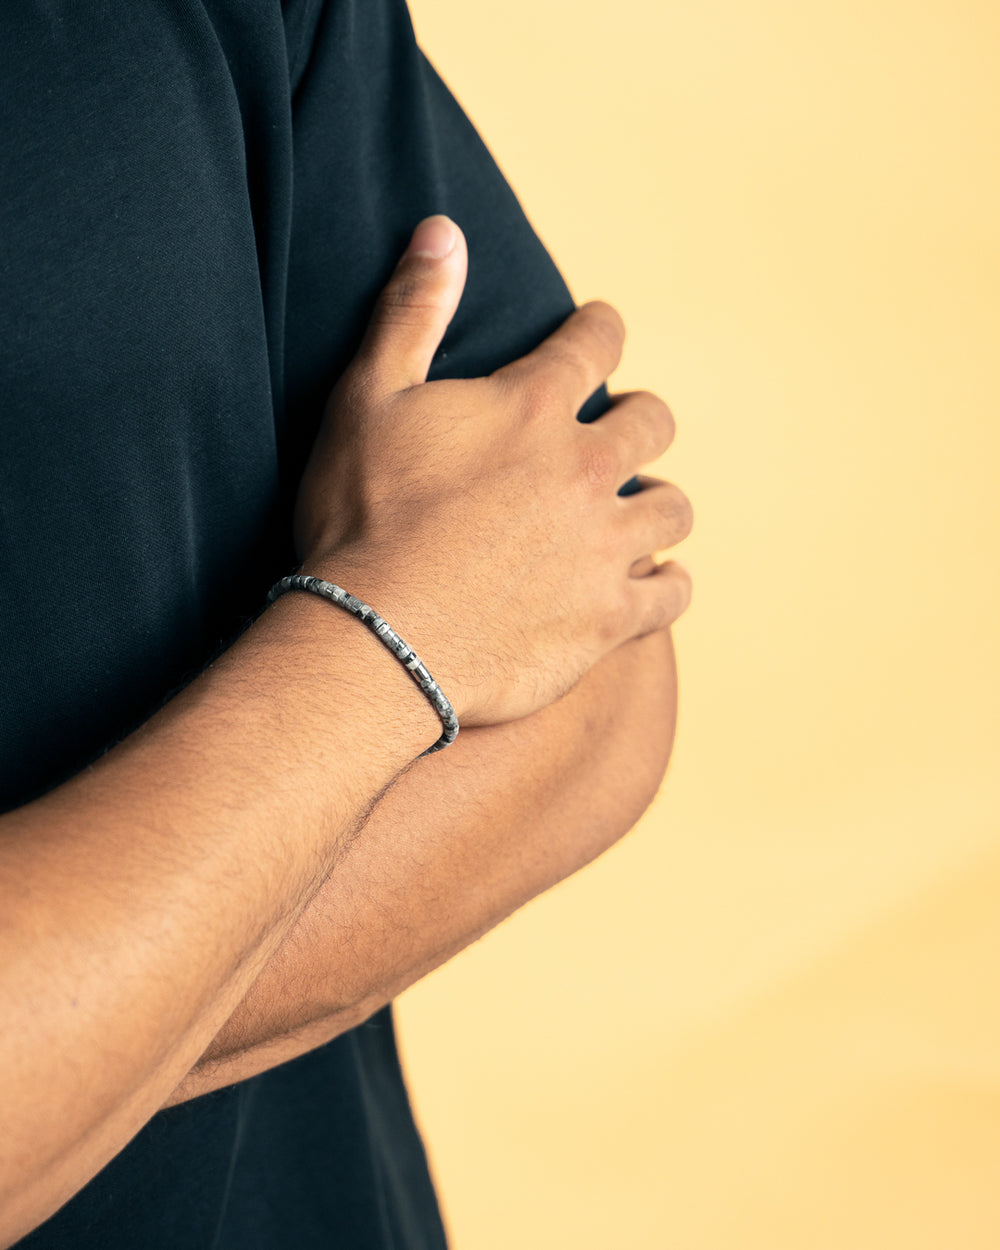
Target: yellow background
771,1016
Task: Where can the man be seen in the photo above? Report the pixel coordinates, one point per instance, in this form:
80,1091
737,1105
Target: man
200,202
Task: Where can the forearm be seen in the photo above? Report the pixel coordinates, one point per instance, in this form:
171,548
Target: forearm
141,899
458,843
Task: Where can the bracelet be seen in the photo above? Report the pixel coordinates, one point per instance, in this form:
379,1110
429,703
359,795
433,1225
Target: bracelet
388,637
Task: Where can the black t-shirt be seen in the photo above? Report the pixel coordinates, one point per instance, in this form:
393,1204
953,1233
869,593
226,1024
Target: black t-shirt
199,201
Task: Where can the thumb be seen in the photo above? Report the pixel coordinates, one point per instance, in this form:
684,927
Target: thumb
416,306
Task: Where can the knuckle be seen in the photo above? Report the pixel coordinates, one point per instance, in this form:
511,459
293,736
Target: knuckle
534,391
653,422
684,588
673,603
603,341
407,299
658,616
605,320
675,509
547,395
686,514
660,417
598,464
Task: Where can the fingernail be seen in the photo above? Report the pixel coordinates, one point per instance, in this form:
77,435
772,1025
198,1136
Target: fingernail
434,237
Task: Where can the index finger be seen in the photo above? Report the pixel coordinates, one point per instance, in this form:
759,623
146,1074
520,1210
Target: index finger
577,357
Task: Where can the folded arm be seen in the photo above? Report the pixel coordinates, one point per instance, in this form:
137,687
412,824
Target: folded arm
141,901
460,841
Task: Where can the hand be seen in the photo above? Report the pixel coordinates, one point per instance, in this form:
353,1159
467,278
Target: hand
479,517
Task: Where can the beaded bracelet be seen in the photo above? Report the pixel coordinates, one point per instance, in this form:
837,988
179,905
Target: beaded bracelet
388,637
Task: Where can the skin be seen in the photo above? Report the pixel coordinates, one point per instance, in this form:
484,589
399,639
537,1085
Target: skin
136,933
460,841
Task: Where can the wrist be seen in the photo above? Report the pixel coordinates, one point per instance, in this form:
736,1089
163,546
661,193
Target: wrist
398,587
355,677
